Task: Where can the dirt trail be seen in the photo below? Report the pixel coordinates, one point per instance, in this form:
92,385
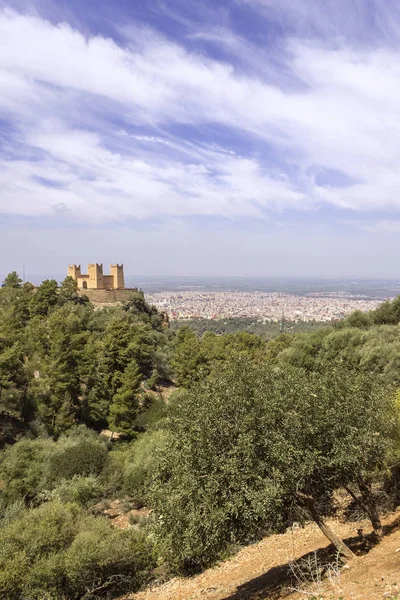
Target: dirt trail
260,571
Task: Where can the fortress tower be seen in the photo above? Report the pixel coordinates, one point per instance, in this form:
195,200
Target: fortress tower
95,272
96,280
74,271
117,272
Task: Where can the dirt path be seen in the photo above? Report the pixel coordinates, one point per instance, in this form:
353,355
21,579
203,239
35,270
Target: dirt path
260,571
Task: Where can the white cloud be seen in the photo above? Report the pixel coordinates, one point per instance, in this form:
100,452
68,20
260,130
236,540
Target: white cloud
92,181
341,114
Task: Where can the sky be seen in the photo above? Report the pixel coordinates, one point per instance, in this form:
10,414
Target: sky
201,137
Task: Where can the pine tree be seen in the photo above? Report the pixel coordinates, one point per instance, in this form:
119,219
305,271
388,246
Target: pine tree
125,402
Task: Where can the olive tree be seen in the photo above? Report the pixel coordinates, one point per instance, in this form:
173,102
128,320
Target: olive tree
250,444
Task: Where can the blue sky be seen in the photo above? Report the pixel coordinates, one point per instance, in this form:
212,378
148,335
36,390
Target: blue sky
254,137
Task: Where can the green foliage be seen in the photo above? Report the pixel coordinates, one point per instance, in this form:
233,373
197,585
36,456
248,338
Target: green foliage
137,305
36,537
45,297
153,413
21,469
104,560
265,329
63,363
59,350
112,475
80,452
68,292
253,424
214,488
30,469
142,463
194,358
12,280
358,319
125,402
56,551
80,490
245,443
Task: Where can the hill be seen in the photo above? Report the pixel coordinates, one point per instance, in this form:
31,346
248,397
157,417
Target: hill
278,564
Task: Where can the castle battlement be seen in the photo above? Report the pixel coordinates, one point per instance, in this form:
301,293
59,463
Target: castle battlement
94,279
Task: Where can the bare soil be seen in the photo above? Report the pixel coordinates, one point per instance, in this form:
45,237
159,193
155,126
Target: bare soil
263,570
123,514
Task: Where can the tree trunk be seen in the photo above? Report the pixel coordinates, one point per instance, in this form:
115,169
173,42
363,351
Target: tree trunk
369,505
309,503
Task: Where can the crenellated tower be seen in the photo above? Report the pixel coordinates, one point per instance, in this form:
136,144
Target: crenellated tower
74,271
117,272
95,273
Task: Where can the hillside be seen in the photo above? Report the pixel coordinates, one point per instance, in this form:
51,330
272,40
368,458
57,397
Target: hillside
262,571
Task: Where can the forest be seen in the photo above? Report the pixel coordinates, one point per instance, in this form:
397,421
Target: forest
263,328
221,436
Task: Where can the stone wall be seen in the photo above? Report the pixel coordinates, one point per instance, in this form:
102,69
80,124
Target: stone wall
107,296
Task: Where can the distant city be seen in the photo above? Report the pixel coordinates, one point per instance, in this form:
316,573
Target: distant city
266,299
266,306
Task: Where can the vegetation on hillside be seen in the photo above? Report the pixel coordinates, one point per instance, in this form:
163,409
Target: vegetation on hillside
224,436
262,327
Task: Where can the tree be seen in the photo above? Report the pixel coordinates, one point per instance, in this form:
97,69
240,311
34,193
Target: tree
137,305
387,313
358,319
59,352
214,487
338,427
45,298
13,381
124,405
12,280
14,311
250,445
187,359
68,292
126,339
59,551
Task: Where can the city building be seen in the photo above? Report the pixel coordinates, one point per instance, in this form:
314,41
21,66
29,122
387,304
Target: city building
96,280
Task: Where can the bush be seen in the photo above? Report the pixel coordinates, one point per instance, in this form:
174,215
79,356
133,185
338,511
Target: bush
112,475
58,552
143,462
153,415
21,469
37,535
81,452
81,490
31,469
102,559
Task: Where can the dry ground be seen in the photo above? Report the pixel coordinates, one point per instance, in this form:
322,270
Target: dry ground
262,571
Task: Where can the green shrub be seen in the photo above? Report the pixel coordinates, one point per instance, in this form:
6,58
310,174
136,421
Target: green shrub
153,414
82,490
81,452
112,475
143,462
12,511
58,552
31,469
21,469
37,535
104,559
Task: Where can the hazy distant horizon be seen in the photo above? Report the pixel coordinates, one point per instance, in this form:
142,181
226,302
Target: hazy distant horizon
371,287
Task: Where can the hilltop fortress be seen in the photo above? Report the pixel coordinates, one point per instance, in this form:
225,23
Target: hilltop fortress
96,280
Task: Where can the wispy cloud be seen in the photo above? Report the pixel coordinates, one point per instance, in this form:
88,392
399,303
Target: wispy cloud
127,129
